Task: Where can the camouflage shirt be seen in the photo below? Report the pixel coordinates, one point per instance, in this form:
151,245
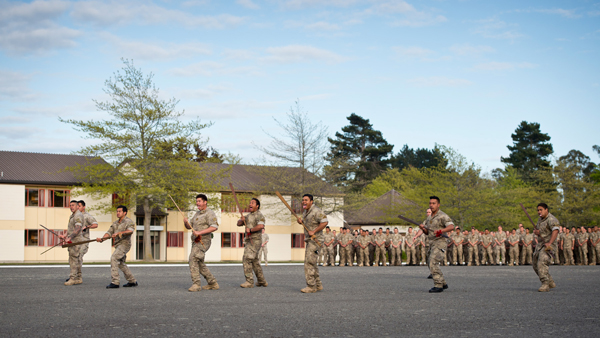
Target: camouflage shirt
312,218
546,226
75,221
486,239
327,237
438,222
408,240
119,226
459,239
396,240
528,239
473,238
87,221
568,240
253,220
364,241
584,237
514,238
501,237
379,238
204,219
264,238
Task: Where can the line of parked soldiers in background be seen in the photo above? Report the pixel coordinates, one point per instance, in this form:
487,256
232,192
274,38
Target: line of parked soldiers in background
575,246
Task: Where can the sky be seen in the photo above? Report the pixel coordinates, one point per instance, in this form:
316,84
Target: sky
463,74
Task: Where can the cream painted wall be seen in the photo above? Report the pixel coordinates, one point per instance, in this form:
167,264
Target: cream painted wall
93,205
11,246
274,210
280,247
98,252
12,202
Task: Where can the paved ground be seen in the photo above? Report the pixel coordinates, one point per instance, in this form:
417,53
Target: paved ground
390,301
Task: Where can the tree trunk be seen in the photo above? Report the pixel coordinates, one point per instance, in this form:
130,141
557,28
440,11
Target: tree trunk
147,220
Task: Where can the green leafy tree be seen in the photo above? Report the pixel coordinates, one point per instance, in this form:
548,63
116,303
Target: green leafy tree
144,143
357,155
530,151
418,158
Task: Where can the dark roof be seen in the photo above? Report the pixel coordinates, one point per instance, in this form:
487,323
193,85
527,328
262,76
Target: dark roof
381,211
38,168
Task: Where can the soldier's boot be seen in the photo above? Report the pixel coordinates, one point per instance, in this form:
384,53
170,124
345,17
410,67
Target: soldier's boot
71,282
211,286
78,281
319,286
247,284
195,288
544,288
516,264
309,289
263,283
552,285
469,264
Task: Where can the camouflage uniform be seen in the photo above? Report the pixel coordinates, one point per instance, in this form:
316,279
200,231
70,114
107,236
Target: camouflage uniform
88,220
396,253
438,245
342,241
328,249
487,252
264,250
583,247
425,249
541,257
380,249
411,252
594,249
122,247
568,248
528,239
203,219
364,253
500,249
355,256
473,249
514,250
457,250
252,245
76,222
336,247
312,218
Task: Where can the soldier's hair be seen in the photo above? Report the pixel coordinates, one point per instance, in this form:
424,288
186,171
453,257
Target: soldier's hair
203,197
257,201
487,229
327,227
410,227
387,228
310,197
73,201
434,198
122,207
543,205
380,228
82,202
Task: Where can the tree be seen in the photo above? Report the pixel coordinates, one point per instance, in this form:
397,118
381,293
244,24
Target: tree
141,142
357,155
418,158
530,150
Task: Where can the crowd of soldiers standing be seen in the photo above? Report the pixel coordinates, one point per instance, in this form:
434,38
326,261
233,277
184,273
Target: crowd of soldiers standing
575,246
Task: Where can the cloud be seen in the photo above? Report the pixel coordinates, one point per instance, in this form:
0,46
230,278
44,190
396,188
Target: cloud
497,29
30,27
413,52
210,68
248,4
469,50
567,13
438,81
204,93
17,132
14,86
301,53
120,13
238,54
502,66
303,4
139,50
412,17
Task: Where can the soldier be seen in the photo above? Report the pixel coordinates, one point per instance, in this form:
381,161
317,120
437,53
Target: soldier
89,222
486,242
437,224
380,248
371,236
335,246
567,243
315,221
583,246
328,242
363,243
74,234
528,247
596,244
120,231
255,224
591,247
264,250
457,252
521,250
473,240
396,248
546,231
410,247
500,246
355,253
203,223
345,243
559,240
513,241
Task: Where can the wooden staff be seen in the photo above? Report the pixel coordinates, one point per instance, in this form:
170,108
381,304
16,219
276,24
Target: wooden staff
313,237
198,238
237,203
530,220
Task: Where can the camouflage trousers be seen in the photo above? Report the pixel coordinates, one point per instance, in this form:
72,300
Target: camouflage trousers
411,255
329,255
359,256
568,254
311,271
197,266
424,253
251,261
262,254
597,249
583,253
527,255
541,260
76,260
364,254
436,257
457,254
321,257
500,250
379,255
473,255
488,256
395,255
344,255
117,261
514,255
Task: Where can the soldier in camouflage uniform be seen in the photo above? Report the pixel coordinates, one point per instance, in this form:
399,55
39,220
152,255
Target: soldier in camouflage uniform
254,223
355,252
315,221
396,248
595,244
74,234
363,247
264,249
121,231
583,246
567,246
457,251
202,224
335,246
437,224
89,222
473,240
411,253
546,231
380,248
591,248
500,246
388,248
345,241
328,243
528,247
486,241
513,241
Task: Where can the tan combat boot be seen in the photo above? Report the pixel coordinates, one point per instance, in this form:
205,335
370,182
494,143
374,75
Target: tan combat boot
263,283
309,289
544,288
71,282
195,288
552,285
213,286
247,285
319,287
78,281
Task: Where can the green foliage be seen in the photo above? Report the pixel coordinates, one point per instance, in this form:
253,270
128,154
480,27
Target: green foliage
418,158
530,150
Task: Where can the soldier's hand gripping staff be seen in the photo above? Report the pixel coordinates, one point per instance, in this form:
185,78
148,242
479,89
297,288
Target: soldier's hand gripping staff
312,236
314,221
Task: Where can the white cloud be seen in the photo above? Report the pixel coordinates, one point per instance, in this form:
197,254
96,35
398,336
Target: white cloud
248,4
303,4
112,13
139,50
18,132
203,93
497,29
501,66
301,53
438,81
210,68
412,16
567,13
14,86
238,54
413,52
470,50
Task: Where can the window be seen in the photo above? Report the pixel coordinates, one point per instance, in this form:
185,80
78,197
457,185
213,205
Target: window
297,240
59,198
226,240
50,238
31,238
242,237
154,220
175,239
42,237
34,197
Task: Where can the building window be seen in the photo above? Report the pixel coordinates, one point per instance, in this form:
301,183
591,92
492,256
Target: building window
31,237
34,197
226,240
59,198
154,220
175,239
241,237
42,237
297,240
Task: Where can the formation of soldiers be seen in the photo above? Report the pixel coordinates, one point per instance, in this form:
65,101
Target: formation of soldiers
380,247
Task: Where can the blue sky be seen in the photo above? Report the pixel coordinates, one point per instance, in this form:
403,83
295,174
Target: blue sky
459,73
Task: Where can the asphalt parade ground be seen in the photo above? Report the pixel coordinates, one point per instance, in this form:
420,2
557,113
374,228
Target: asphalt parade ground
356,302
